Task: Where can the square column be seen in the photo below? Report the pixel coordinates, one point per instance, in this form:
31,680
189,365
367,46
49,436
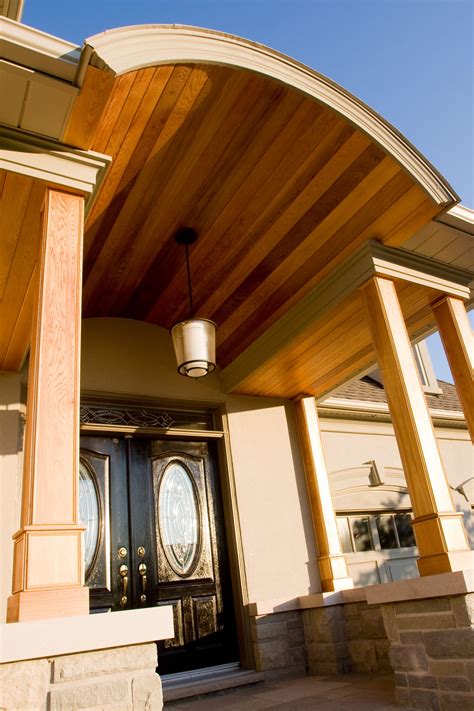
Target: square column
458,341
48,569
439,529
331,559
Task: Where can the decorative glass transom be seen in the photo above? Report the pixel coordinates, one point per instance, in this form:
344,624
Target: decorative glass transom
89,514
178,518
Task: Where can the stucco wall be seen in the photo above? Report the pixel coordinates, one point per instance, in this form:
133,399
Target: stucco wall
11,461
130,357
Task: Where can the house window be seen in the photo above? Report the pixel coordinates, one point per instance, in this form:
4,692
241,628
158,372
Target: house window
369,532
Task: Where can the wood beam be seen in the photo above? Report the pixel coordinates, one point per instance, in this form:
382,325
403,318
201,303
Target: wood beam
331,559
48,575
458,341
439,530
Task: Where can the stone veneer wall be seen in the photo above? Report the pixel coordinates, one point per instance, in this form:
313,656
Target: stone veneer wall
346,638
432,651
119,679
279,643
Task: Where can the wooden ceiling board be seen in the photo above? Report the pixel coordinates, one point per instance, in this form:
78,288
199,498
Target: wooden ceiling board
247,224
336,347
173,208
88,108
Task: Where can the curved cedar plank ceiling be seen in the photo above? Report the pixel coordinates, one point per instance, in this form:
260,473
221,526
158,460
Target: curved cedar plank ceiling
279,188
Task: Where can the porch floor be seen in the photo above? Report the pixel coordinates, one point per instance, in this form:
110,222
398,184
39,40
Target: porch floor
359,692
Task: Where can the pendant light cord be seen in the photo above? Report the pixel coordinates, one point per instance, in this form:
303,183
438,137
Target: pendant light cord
189,283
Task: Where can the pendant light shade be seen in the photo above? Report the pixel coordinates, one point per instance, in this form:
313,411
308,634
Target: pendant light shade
194,340
194,344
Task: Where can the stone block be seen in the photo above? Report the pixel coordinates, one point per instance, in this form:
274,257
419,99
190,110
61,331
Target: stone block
298,658
408,658
109,661
441,620
454,683
99,694
452,701
364,658
427,605
328,625
273,654
295,624
354,628
295,637
411,638
382,648
351,609
463,610
400,679
470,672
372,622
146,693
456,643
447,667
24,685
401,696
422,681
271,630
423,699
390,623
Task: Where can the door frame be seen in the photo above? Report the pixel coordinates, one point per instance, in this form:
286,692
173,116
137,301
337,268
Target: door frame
217,430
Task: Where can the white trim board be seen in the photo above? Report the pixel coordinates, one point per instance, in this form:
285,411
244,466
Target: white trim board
84,633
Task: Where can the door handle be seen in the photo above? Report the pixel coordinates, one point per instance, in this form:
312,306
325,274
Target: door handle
142,569
123,572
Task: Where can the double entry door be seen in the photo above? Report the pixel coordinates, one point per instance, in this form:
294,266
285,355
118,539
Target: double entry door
155,536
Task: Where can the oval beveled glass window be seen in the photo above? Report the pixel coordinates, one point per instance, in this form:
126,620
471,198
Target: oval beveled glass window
89,514
178,518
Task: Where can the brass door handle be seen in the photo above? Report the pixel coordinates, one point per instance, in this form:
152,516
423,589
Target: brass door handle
123,572
142,572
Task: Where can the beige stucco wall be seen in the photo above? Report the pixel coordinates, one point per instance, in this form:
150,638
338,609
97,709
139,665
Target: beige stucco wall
350,444
134,358
11,460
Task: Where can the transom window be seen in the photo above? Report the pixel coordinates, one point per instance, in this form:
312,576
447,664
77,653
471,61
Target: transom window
375,531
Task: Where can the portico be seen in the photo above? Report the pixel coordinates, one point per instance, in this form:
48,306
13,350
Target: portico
305,202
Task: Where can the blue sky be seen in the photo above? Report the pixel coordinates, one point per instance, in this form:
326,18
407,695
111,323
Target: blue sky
411,60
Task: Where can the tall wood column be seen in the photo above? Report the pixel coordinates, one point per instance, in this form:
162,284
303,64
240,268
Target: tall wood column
48,575
458,341
439,529
331,559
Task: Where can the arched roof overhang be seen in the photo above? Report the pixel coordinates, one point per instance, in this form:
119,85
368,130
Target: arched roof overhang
284,175
128,49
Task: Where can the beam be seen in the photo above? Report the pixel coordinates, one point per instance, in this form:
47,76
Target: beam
48,569
458,342
439,530
331,559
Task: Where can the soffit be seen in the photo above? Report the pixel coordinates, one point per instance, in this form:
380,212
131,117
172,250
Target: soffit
280,188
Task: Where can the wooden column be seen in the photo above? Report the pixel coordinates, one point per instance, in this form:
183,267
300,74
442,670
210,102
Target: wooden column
439,529
48,575
458,341
331,559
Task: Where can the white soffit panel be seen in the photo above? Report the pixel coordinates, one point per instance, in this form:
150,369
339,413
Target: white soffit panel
33,101
449,238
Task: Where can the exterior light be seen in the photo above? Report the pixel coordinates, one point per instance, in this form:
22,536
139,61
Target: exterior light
194,340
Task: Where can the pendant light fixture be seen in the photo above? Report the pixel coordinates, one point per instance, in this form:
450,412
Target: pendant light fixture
194,340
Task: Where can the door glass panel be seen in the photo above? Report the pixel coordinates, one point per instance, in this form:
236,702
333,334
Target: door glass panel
178,515
344,534
89,514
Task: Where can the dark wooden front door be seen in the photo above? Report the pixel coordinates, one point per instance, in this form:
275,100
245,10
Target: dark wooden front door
155,536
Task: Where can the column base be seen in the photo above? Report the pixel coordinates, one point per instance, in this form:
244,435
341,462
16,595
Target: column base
49,602
334,573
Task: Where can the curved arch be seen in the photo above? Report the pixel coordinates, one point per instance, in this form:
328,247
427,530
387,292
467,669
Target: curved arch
132,48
